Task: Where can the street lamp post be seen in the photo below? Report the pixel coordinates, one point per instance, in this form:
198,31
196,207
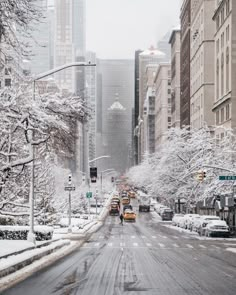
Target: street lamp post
31,235
108,171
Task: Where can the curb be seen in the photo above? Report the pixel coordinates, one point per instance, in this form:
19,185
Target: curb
29,260
29,248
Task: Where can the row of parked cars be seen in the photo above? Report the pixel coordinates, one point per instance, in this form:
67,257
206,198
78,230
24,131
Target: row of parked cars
165,212
204,225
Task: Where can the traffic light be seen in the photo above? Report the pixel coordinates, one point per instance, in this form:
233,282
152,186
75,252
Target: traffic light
93,174
201,175
112,179
69,179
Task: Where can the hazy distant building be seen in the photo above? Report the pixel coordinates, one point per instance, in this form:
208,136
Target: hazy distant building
162,103
70,43
136,108
40,45
147,57
202,63
175,77
114,77
224,107
149,110
185,20
90,96
164,46
118,136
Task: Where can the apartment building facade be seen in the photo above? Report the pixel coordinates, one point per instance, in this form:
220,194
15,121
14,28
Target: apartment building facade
202,63
175,77
162,86
224,107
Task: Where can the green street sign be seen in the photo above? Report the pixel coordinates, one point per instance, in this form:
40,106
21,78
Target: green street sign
229,177
89,195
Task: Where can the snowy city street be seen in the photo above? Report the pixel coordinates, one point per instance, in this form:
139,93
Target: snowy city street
117,147
139,257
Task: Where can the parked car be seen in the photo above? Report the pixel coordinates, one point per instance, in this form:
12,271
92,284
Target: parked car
194,223
186,220
189,220
167,214
176,218
204,220
217,228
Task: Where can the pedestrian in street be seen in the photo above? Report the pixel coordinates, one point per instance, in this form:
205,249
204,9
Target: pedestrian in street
121,218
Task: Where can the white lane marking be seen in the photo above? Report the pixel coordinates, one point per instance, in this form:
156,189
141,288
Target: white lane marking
96,244
133,237
149,245
109,244
122,244
154,237
161,245
202,246
175,237
135,244
175,245
143,237
189,246
101,237
164,237
215,246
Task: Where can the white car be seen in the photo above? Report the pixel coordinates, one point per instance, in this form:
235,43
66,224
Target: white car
194,223
203,221
190,219
176,219
217,228
186,220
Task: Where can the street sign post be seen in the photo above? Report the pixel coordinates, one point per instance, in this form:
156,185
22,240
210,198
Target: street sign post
89,195
227,177
69,188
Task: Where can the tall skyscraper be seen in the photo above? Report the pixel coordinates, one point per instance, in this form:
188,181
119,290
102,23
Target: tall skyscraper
115,80
70,43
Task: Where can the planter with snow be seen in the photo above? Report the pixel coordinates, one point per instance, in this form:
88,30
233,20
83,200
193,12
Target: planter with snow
21,232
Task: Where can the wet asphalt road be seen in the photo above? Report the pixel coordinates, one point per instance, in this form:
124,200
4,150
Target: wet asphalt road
139,258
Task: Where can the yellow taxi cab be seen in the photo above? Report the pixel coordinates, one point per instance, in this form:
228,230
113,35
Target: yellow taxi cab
125,200
129,215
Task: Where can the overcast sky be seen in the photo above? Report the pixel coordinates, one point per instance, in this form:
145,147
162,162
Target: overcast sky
116,28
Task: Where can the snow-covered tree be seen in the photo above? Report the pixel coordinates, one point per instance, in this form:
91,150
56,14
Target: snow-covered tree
171,172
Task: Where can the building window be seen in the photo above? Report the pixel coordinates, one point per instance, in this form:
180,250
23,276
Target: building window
227,34
7,82
222,74
222,15
227,69
7,71
217,118
227,116
222,40
217,79
222,115
217,46
217,22
227,7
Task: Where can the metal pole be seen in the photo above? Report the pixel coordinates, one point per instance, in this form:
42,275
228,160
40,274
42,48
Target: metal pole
69,228
101,182
31,235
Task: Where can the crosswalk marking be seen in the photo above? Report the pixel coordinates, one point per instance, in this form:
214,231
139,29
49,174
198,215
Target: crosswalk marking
189,246
101,237
202,246
96,244
175,245
122,244
135,244
215,246
161,245
164,237
109,244
149,245
154,237
143,237
133,237
175,237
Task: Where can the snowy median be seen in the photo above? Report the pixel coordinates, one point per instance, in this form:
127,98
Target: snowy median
14,262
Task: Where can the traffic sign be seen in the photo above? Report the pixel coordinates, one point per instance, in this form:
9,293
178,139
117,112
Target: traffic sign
69,188
228,177
89,195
